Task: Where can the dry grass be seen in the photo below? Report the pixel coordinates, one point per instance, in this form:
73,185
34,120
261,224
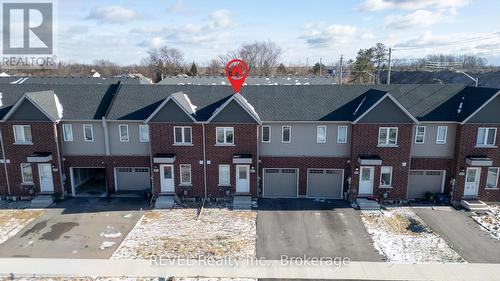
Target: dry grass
12,221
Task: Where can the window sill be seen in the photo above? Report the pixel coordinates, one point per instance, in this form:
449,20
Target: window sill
486,146
385,186
182,144
221,144
492,188
185,185
26,183
388,145
224,185
23,143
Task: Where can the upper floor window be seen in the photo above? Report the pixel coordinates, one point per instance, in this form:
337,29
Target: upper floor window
266,133
420,135
492,179
22,134
183,135
442,133
185,172
68,132
88,132
144,133
26,173
321,134
286,134
486,136
225,135
342,134
124,137
387,136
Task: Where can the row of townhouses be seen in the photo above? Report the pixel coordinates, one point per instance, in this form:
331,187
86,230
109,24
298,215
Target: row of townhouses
397,142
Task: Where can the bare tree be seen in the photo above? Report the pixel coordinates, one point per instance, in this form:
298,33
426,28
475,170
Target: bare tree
261,57
214,68
165,61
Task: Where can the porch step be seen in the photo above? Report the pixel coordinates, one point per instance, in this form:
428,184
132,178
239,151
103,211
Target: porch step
474,205
365,204
42,201
165,202
242,202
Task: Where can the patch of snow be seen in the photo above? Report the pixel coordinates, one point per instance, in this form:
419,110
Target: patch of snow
223,82
490,221
59,107
1,99
13,221
401,236
252,109
4,74
193,107
359,106
16,81
111,233
107,244
127,216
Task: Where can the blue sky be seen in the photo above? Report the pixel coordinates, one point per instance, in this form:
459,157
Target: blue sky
123,31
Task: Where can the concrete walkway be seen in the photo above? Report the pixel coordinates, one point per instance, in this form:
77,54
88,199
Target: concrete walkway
23,267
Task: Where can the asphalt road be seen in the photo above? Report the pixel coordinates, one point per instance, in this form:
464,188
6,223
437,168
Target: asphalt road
73,228
298,227
463,234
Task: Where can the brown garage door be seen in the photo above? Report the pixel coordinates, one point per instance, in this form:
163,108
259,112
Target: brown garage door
423,181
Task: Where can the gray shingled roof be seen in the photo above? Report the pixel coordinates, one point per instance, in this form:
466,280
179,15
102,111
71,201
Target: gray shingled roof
70,80
255,80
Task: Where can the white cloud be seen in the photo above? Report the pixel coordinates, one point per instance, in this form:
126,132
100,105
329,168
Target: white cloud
221,18
321,35
379,5
113,14
418,19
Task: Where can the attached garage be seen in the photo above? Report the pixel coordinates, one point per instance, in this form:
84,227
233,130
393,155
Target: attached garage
325,183
132,179
280,183
423,181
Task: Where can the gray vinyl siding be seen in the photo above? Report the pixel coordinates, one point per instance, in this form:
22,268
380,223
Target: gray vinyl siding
233,112
80,147
429,148
489,114
303,141
386,112
28,112
171,113
133,147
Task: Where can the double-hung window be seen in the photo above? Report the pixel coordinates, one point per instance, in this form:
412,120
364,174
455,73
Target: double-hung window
225,135
224,175
266,134
88,132
486,136
124,137
22,134
386,176
67,132
143,133
441,135
286,134
183,135
342,134
420,135
321,134
26,173
185,172
388,136
492,179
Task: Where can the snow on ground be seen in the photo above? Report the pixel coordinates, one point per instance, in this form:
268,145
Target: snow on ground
401,236
490,221
177,233
12,221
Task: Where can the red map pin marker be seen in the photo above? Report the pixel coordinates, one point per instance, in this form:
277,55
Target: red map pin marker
236,72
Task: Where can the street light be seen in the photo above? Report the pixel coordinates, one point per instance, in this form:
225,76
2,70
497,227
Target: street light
473,79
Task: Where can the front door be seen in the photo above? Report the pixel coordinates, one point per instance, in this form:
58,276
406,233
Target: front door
242,178
167,178
366,180
472,181
46,180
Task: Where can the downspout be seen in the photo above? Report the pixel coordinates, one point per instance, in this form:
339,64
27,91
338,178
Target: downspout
257,165
59,160
151,164
5,165
204,163
106,135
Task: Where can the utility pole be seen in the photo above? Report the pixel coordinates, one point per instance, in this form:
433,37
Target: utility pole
307,66
320,64
341,74
389,70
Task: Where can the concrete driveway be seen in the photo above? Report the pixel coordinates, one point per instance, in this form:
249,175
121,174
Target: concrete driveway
298,227
464,235
77,228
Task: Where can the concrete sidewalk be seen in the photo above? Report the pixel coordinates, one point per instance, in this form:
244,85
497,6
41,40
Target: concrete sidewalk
23,267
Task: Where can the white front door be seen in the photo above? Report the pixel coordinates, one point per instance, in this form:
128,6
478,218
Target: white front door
242,178
366,180
472,181
167,178
46,181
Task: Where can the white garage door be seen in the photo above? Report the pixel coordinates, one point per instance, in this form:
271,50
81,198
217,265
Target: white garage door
423,181
128,178
280,183
325,183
